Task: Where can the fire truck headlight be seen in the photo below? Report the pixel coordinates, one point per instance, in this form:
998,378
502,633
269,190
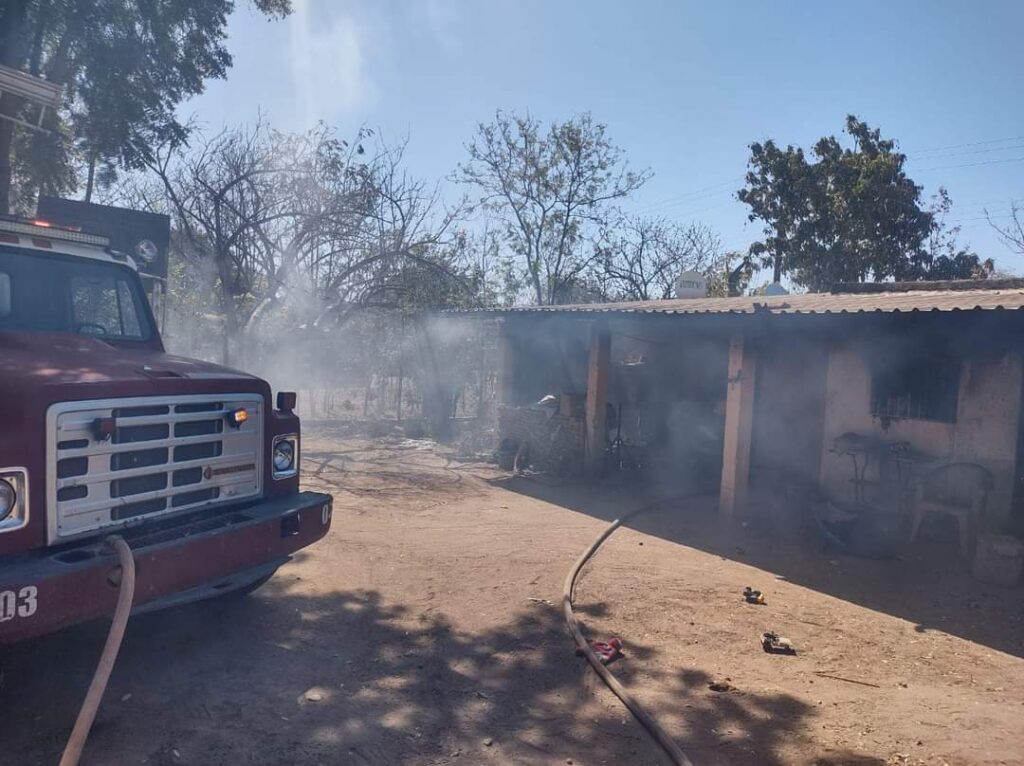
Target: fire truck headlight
285,456
8,499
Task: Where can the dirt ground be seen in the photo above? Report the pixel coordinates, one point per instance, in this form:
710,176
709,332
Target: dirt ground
426,629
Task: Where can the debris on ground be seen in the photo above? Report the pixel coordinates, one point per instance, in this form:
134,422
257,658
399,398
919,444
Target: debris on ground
314,694
773,643
752,596
721,686
823,674
607,651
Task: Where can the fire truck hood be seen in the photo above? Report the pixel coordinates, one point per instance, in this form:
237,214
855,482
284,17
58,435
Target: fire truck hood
32,360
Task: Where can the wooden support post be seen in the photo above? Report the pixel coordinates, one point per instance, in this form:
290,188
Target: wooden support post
597,394
739,420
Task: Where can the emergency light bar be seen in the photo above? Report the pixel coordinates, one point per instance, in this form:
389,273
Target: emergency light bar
49,231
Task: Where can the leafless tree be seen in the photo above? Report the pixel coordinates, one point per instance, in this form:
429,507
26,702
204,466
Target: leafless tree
404,228
1012,233
551,189
640,258
298,230
236,206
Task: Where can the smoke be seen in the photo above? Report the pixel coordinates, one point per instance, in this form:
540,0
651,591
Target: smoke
328,74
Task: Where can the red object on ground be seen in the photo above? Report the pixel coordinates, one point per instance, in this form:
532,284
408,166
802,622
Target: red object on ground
608,651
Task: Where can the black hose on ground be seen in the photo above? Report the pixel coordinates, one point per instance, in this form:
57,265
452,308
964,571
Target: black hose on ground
646,720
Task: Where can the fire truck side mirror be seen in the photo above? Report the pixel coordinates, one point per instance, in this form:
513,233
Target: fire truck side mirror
286,401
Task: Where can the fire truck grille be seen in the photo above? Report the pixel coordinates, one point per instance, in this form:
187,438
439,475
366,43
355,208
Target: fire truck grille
112,462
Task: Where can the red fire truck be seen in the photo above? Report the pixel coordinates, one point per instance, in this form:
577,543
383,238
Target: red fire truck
104,432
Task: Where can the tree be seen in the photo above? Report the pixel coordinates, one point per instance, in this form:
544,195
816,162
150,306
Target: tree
222,194
732,278
306,230
946,258
551,190
404,255
125,67
1012,234
780,193
638,259
850,215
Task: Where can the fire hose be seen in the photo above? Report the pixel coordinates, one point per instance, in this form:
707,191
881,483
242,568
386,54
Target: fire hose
125,596
655,729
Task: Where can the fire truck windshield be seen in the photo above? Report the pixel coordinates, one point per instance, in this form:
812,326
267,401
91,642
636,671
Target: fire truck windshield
45,292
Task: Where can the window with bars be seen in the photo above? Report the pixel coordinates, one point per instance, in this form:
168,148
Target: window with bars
915,385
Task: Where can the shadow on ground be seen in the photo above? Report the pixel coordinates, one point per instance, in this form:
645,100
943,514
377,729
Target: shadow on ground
345,678
928,585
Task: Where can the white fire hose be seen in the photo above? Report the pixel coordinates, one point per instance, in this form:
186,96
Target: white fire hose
125,596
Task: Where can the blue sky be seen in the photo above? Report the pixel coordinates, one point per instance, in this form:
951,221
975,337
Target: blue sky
683,87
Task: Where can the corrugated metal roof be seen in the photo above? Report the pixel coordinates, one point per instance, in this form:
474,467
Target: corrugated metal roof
808,303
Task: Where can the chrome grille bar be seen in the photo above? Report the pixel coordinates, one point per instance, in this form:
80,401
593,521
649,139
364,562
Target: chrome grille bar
143,470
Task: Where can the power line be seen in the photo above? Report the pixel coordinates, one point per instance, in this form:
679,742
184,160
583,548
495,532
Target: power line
1010,147
687,213
973,143
707,191
971,165
999,217
1001,201
688,210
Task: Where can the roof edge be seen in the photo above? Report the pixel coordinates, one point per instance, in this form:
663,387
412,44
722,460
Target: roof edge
944,285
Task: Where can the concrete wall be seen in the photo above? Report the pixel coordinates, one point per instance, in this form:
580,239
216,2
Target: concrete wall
985,431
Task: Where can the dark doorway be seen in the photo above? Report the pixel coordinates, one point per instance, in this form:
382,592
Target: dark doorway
789,413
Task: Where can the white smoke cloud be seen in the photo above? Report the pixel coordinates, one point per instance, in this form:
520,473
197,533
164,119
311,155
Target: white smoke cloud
441,21
328,68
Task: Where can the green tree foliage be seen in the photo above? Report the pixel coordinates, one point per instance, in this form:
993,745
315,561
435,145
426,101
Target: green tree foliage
947,259
780,193
125,66
849,214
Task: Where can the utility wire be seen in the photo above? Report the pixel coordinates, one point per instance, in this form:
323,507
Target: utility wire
970,144
966,154
707,191
971,165
1002,201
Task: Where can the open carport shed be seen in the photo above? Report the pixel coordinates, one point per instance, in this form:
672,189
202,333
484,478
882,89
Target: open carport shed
770,383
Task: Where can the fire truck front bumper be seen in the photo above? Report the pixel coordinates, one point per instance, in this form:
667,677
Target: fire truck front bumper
176,562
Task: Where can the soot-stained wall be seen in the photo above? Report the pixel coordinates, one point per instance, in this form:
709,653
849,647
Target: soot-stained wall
984,431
